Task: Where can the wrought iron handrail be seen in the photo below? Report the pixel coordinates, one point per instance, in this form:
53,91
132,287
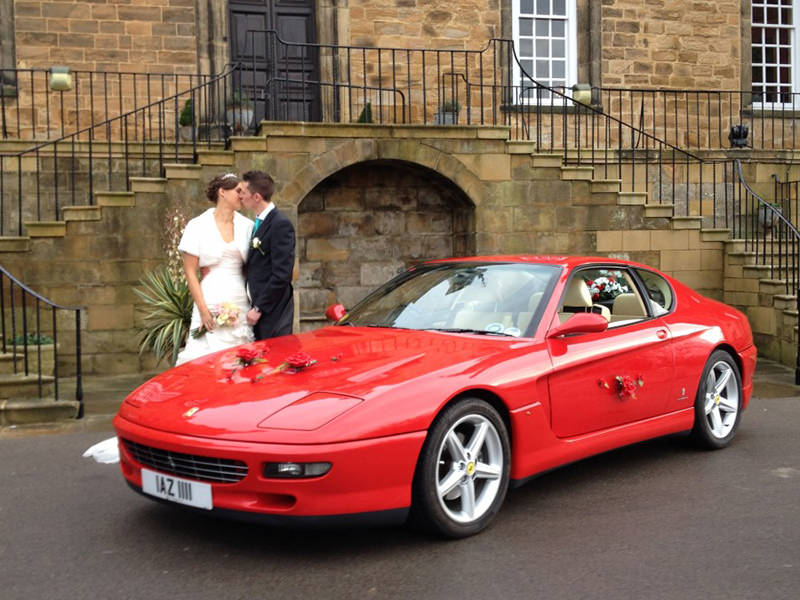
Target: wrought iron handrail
703,118
780,252
147,136
478,79
30,107
21,335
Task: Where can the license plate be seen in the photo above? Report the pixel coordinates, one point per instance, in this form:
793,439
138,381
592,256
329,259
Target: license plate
175,489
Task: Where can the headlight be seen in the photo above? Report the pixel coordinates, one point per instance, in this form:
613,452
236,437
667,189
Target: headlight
294,470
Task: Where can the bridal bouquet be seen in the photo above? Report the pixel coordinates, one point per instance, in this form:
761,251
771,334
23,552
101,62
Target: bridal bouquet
225,315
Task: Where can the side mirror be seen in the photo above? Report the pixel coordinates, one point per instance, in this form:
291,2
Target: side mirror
580,323
335,312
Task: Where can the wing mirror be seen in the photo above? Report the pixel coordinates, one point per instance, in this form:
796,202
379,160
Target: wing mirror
579,323
335,312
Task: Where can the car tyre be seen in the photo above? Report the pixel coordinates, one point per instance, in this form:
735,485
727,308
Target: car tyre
463,470
718,405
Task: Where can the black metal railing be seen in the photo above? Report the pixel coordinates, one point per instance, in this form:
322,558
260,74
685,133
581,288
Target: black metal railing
32,107
775,239
30,336
705,119
35,184
345,84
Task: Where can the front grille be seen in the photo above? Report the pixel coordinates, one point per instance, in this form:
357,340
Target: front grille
202,468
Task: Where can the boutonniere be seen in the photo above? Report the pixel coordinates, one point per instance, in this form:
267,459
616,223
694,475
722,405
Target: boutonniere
256,245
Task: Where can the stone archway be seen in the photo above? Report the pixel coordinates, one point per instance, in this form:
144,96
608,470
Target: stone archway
361,225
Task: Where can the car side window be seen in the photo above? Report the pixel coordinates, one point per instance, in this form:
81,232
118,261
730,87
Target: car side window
659,292
612,293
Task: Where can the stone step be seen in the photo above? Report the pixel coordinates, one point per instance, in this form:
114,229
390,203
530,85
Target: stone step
547,160
114,199
605,185
687,222
573,173
10,243
659,210
148,184
25,386
7,360
23,412
715,235
221,158
82,213
522,147
46,229
784,302
183,171
632,198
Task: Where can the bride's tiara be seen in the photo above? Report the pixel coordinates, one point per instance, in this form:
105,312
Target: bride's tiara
229,176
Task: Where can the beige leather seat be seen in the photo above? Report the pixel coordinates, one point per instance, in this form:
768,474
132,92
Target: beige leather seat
627,307
577,296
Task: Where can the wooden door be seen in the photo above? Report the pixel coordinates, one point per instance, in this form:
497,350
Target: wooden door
266,38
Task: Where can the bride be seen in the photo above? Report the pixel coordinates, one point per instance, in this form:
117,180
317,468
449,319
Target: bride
217,242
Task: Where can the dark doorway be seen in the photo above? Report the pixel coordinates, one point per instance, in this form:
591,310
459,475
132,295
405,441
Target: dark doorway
278,70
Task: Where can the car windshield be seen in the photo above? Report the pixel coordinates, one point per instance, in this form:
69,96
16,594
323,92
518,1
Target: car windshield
487,298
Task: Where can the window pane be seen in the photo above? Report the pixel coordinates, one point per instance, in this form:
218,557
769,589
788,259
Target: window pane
542,28
757,31
526,47
758,16
786,16
527,66
559,29
786,75
542,48
542,68
772,54
756,54
559,49
560,8
526,26
559,69
757,75
786,37
526,6
542,7
785,54
770,36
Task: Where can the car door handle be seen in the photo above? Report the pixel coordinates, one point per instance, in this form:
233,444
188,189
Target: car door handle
661,334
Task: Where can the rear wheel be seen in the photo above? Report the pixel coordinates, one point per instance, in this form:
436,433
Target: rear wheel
718,405
462,475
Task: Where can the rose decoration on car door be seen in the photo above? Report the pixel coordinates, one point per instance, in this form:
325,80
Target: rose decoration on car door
624,385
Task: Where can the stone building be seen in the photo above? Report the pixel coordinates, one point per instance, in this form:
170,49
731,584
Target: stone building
637,170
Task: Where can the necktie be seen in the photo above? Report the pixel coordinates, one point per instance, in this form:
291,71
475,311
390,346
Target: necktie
256,226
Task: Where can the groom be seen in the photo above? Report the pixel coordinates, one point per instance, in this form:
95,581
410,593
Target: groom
270,260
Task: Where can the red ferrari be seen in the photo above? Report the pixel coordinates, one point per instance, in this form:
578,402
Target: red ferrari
438,391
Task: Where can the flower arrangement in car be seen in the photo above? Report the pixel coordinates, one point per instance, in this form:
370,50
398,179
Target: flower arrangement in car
607,286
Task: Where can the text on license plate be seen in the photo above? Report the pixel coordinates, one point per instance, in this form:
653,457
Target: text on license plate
175,489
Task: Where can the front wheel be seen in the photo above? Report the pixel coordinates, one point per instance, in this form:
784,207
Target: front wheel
718,405
463,471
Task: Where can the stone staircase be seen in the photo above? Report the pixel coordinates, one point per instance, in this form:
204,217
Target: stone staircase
614,222
30,397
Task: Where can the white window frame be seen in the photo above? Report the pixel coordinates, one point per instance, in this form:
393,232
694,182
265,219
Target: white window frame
794,55
571,66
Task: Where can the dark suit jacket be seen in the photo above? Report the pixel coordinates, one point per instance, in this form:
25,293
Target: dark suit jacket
269,276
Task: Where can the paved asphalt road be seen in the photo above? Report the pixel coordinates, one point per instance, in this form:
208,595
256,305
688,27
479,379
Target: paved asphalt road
655,520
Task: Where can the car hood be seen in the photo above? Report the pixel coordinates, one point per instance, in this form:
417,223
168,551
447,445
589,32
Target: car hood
357,371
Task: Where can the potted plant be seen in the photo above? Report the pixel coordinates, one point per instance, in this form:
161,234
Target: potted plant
239,114
448,113
185,121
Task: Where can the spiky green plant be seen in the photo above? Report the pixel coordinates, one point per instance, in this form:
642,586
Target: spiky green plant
168,314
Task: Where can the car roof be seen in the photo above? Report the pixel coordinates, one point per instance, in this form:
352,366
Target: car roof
568,262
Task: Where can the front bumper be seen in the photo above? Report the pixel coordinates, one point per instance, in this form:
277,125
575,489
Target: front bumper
366,476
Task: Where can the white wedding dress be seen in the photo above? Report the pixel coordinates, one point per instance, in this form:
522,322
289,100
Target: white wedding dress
222,285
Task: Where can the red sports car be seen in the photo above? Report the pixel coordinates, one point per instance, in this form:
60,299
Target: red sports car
428,399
